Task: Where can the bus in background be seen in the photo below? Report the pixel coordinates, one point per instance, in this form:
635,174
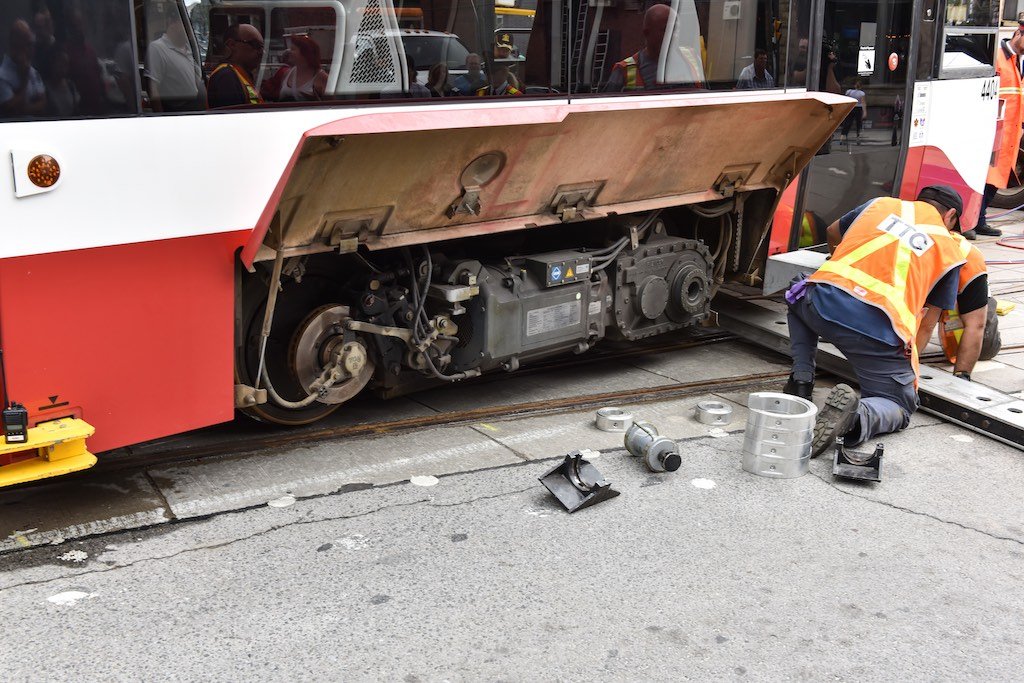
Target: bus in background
922,71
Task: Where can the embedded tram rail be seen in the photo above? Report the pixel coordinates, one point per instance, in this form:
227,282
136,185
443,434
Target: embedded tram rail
539,412
246,436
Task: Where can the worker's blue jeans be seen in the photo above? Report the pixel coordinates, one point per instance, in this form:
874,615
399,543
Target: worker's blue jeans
886,377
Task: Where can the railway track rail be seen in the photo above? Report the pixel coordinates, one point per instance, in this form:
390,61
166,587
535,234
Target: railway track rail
223,441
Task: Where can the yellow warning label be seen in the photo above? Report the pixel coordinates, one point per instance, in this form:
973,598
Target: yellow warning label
568,273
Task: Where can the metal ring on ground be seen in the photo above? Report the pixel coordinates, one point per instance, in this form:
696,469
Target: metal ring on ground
613,420
777,440
714,413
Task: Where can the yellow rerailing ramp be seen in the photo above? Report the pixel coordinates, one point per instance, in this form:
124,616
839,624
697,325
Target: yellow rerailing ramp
59,449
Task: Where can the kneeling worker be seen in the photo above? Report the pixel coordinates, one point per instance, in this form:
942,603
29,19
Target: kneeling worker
971,331
890,259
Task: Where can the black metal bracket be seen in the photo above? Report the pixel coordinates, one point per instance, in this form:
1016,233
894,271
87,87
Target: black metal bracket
576,483
854,465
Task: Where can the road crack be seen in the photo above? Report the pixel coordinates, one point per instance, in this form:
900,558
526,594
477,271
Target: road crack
917,513
263,532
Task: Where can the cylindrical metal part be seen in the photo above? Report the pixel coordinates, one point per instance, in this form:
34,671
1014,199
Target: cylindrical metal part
663,455
777,442
660,453
613,419
713,413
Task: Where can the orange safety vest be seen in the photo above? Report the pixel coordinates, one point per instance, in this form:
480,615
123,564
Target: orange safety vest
890,258
632,80
951,327
1013,116
250,90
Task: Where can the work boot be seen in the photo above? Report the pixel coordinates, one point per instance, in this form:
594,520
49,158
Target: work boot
795,387
988,231
836,418
970,235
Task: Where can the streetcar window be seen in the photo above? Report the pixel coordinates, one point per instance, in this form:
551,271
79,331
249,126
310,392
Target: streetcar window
970,37
684,44
65,59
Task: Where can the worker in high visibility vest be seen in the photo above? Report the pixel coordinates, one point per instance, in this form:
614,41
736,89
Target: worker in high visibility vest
890,259
970,331
639,71
232,83
1008,68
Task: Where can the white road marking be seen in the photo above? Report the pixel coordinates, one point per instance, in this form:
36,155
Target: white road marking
704,483
69,597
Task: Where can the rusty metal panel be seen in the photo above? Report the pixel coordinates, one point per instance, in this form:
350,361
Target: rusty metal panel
392,188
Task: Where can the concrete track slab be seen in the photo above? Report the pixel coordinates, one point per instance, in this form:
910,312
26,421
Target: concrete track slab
481,578
712,361
607,377
74,507
231,483
548,436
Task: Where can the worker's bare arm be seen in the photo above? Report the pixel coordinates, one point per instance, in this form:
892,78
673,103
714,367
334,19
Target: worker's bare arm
834,236
970,342
927,326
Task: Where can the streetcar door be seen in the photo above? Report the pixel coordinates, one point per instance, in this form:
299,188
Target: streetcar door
865,49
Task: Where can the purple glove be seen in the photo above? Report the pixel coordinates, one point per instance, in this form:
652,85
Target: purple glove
797,291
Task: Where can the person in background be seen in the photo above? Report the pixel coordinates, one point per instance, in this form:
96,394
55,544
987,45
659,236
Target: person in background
639,71
231,83
85,68
306,81
270,89
859,113
798,74
22,92
61,95
42,27
415,89
437,81
756,75
474,79
174,77
1008,66
890,260
499,83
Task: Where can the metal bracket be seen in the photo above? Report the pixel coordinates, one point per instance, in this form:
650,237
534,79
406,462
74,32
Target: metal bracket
576,483
854,465
247,397
570,201
468,203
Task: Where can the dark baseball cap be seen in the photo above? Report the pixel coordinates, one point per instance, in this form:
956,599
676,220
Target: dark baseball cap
947,197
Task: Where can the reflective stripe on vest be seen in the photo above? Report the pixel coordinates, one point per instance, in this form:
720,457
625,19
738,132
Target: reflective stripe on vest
632,80
863,266
248,88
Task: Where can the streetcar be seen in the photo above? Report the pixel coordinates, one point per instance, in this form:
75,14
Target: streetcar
165,263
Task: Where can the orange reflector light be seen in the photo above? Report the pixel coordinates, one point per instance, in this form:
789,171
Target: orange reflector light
43,171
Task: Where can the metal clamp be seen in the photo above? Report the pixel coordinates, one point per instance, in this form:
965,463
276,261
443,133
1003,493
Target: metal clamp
713,413
576,483
613,419
854,465
660,453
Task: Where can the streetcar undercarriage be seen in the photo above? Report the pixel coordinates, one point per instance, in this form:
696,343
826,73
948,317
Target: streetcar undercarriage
398,319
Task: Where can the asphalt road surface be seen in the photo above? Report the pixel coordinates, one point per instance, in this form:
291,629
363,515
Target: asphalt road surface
707,573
